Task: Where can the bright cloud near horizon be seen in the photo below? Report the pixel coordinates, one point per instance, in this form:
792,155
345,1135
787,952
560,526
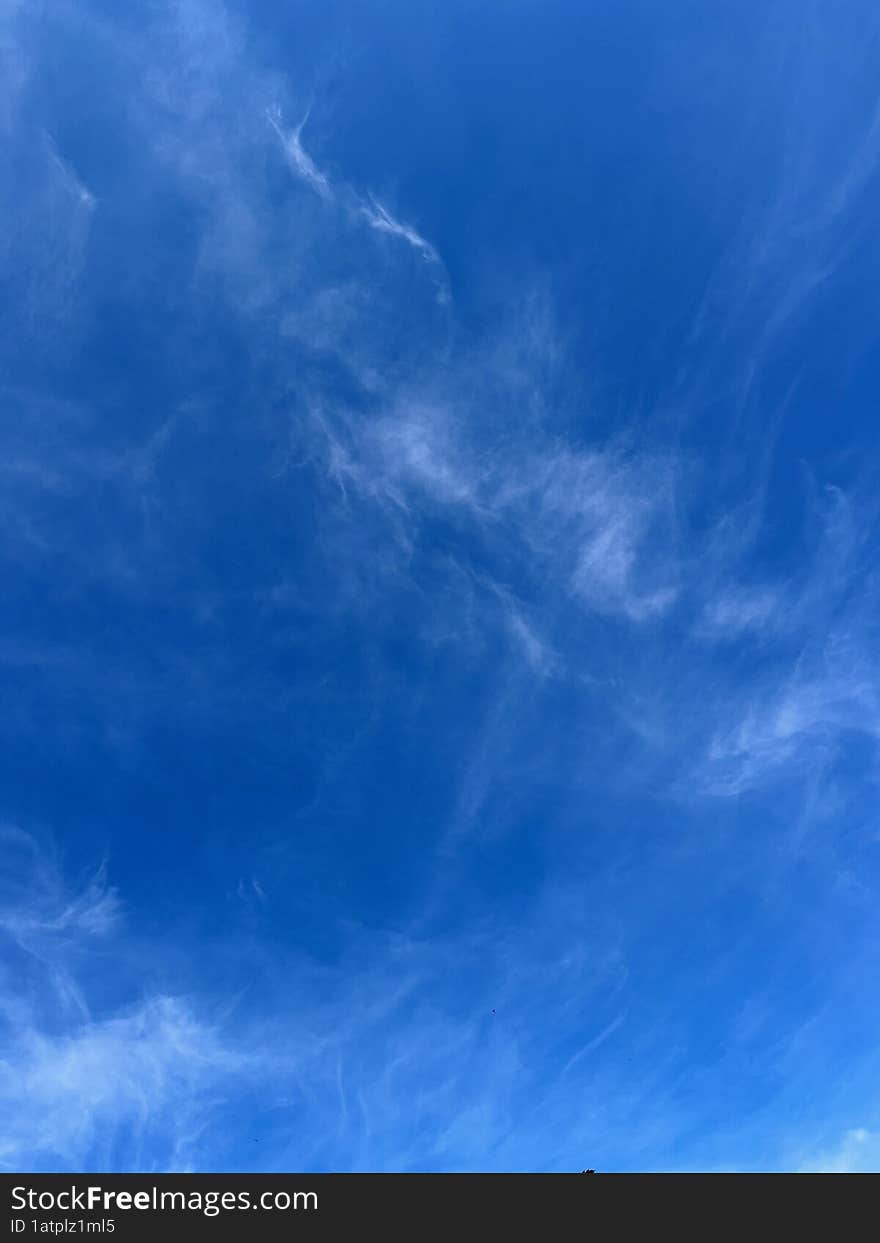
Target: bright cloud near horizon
439,630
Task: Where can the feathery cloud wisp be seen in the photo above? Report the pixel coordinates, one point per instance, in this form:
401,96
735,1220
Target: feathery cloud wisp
380,218
300,160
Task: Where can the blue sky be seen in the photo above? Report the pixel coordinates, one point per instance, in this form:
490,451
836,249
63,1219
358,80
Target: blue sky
439,628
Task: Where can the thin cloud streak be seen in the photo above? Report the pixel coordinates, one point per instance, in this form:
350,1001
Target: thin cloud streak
380,218
377,215
301,162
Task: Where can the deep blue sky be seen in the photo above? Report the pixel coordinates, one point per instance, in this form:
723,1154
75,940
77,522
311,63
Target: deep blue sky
438,628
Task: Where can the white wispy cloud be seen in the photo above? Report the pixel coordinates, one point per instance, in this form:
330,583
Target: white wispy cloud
739,610
538,652
858,1152
601,523
813,637
77,187
614,513
78,1088
380,218
369,208
342,1059
300,160
793,722
127,1089
34,898
48,923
